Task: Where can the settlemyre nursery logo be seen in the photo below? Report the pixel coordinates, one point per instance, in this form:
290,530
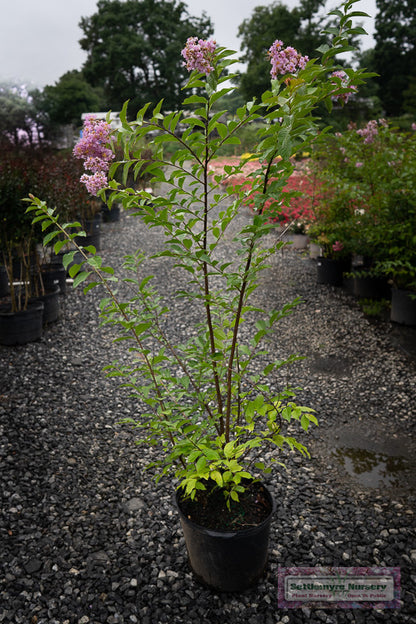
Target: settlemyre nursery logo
340,588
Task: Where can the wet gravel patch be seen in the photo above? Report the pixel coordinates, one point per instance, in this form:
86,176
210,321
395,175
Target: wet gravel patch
87,537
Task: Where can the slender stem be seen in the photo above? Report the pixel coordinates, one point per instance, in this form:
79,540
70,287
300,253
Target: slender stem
207,289
234,340
9,268
238,316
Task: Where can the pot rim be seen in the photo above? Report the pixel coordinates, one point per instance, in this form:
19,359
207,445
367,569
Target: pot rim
34,304
226,534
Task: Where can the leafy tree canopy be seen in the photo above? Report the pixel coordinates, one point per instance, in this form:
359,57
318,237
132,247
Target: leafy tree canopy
71,96
395,53
17,116
134,50
299,28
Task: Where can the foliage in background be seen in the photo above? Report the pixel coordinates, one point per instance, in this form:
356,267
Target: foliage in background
32,170
70,97
299,199
395,55
299,27
21,120
369,185
133,50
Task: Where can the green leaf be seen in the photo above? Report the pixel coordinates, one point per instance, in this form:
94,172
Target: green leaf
95,262
304,421
232,140
81,277
201,464
68,258
74,269
323,48
195,99
50,236
58,246
217,477
211,454
193,455
90,286
190,485
229,450
45,224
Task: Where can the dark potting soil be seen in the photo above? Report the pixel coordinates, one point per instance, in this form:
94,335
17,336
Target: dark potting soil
209,508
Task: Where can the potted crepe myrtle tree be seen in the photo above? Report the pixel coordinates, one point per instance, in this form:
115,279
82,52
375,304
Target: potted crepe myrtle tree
20,317
209,406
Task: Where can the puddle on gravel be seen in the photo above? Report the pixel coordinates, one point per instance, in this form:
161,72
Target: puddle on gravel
372,469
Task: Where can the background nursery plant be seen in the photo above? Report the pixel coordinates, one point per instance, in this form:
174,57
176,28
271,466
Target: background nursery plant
209,403
369,197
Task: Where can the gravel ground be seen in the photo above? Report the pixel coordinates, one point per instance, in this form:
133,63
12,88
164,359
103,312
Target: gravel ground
87,536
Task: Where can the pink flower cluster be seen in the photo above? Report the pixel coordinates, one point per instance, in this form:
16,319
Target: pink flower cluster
92,149
370,131
285,60
199,54
342,80
337,246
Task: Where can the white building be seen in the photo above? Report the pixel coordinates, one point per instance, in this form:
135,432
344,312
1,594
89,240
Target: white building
114,118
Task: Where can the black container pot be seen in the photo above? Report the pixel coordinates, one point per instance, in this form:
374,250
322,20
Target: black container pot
51,305
18,328
348,285
329,271
371,287
4,281
111,215
403,307
54,274
229,561
92,229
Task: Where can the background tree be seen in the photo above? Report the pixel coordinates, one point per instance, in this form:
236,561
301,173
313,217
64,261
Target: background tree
395,53
71,96
309,37
41,122
134,48
367,104
17,116
299,28
409,98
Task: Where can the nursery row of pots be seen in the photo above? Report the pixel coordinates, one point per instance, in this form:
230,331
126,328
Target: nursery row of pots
25,324
18,327
341,273
37,301
347,272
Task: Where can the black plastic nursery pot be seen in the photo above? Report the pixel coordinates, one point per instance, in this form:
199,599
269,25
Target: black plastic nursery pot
111,215
329,271
403,307
369,287
54,274
4,281
19,328
51,305
92,229
227,561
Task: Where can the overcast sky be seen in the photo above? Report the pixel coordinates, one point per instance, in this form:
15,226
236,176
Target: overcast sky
39,38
